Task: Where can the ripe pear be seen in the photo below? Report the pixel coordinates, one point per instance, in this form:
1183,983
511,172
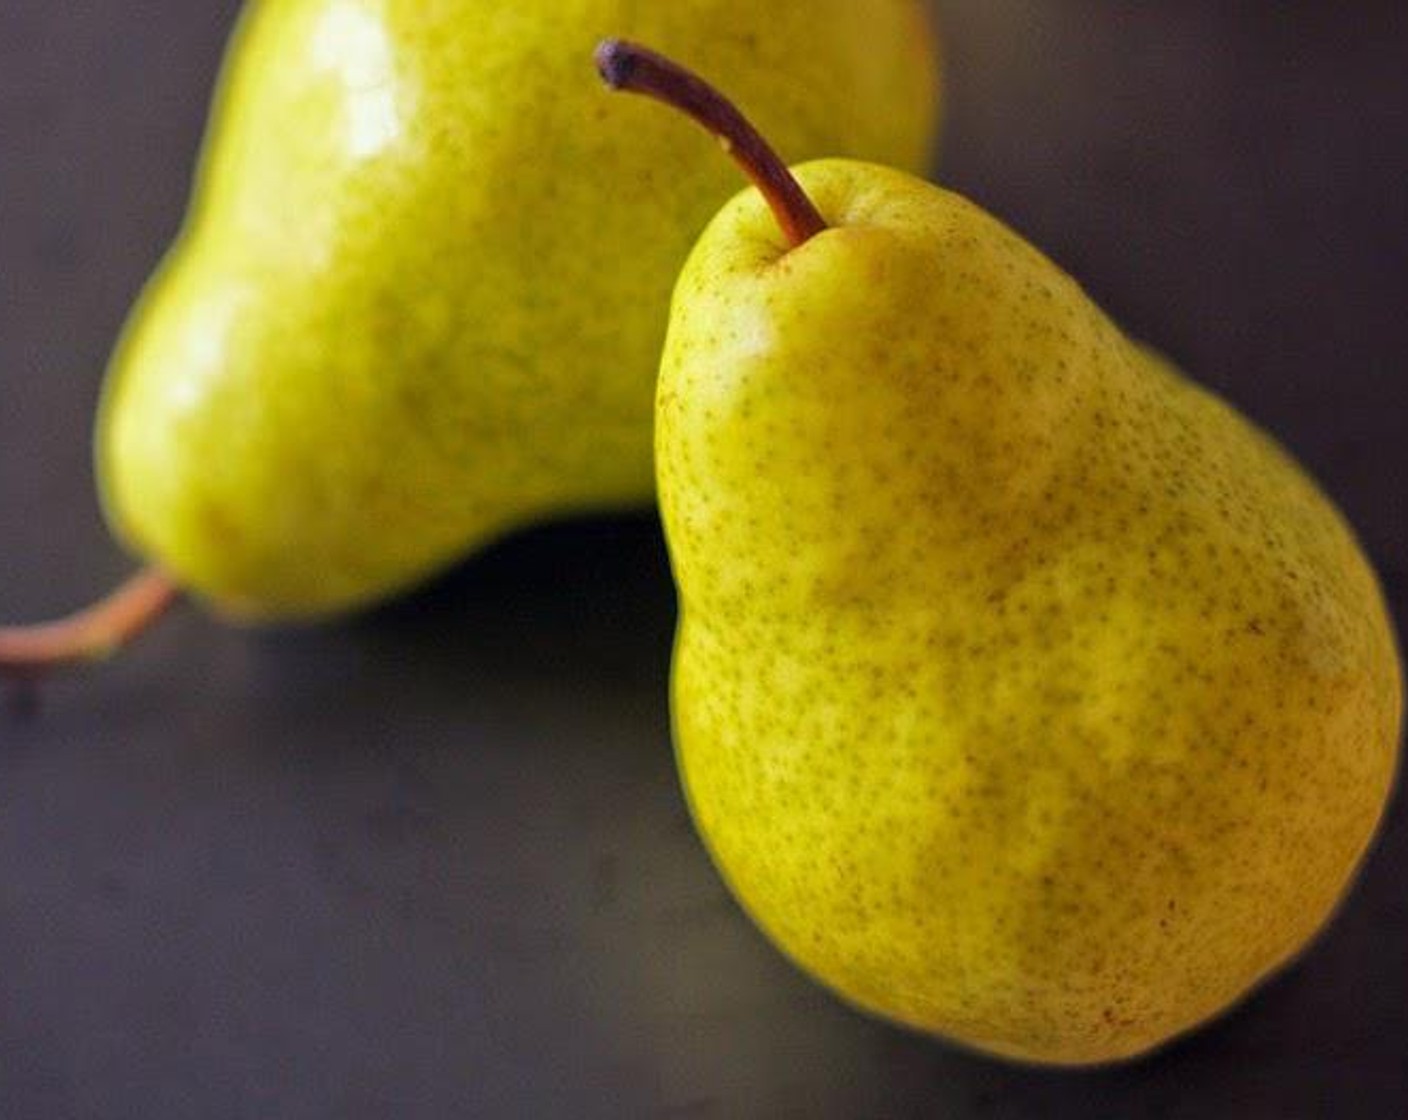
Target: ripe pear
1024,692
399,321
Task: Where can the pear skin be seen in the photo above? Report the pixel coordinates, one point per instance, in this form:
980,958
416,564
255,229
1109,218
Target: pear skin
400,320
1024,692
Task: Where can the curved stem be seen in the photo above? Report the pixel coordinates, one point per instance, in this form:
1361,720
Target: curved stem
636,69
92,633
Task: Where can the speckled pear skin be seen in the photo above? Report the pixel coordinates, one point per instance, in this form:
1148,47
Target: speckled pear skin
421,292
1024,692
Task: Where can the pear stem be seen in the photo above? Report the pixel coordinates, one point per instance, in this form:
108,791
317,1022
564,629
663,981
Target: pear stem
636,69
90,634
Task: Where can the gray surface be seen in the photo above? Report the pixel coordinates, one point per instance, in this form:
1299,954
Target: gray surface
434,862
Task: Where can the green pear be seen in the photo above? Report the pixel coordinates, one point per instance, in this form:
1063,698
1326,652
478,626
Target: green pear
420,294
1024,692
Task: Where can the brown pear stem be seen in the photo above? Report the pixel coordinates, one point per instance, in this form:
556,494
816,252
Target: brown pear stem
636,69
92,633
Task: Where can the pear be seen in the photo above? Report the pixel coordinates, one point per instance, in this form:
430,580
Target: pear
398,322
1024,692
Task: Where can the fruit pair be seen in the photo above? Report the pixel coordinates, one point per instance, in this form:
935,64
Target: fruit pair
1023,693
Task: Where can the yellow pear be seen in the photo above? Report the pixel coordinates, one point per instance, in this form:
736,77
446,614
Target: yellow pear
401,318
1024,692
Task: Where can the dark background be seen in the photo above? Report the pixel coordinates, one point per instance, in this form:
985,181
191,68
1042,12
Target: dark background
433,862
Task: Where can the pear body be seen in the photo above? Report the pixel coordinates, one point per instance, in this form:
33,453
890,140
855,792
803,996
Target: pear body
408,310
1024,692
